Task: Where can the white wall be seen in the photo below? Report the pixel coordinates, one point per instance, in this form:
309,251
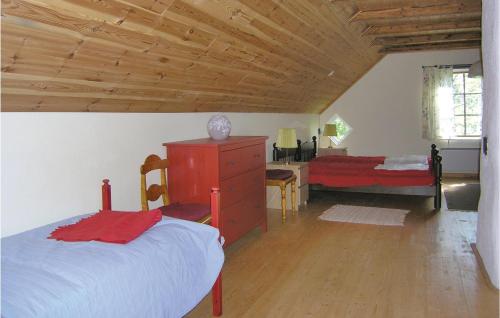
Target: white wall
384,106
53,163
488,236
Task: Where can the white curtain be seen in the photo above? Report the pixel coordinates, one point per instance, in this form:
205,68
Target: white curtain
437,103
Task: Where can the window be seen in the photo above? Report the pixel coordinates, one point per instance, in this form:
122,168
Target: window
467,104
343,129
451,103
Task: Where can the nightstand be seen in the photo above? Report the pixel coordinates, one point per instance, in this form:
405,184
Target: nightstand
301,170
332,152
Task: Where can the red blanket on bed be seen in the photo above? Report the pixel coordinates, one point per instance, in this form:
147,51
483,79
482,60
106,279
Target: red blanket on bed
108,226
351,171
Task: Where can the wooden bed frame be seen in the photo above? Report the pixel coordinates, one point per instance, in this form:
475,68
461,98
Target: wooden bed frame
304,151
215,211
308,153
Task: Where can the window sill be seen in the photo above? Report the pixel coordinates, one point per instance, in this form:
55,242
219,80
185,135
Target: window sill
460,138
464,142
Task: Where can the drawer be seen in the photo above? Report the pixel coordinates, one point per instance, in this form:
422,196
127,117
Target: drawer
239,187
243,216
236,161
332,152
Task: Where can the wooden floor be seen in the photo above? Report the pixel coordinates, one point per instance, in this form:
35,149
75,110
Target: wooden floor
313,268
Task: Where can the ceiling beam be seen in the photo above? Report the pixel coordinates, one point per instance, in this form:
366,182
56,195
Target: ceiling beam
422,39
432,46
424,28
417,11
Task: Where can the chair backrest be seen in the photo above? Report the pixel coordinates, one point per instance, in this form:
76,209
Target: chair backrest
154,191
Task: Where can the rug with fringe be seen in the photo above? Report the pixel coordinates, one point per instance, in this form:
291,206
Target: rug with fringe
364,215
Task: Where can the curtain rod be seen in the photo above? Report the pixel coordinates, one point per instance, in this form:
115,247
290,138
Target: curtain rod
450,65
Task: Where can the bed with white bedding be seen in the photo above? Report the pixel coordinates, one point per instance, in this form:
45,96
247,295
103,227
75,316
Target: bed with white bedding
163,273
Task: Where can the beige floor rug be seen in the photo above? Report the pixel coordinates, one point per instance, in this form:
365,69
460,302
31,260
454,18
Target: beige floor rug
364,215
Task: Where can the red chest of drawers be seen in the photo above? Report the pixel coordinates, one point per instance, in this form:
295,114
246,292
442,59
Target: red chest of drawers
236,165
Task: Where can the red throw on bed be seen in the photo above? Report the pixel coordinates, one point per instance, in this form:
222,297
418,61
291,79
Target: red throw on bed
352,171
108,226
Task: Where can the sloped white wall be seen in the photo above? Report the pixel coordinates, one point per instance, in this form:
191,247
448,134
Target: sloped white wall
384,106
488,235
53,163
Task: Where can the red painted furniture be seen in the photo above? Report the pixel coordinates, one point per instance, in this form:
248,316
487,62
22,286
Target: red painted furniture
236,165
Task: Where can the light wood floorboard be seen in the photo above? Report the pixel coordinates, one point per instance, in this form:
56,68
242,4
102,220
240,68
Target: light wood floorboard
313,268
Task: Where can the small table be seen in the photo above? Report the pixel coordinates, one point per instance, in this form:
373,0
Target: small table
332,152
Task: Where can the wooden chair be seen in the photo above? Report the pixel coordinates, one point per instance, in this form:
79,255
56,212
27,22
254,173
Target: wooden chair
280,178
187,211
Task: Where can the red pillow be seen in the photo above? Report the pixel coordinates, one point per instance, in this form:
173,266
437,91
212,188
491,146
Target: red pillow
108,226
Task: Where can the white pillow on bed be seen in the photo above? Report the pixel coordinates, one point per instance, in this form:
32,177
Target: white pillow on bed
406,159
402,166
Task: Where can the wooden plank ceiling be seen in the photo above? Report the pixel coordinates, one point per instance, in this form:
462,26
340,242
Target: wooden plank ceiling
281,56
401,26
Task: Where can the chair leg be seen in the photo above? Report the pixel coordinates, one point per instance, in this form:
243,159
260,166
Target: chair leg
283,202
294,197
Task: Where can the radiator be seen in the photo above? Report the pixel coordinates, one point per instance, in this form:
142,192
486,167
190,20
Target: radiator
460,160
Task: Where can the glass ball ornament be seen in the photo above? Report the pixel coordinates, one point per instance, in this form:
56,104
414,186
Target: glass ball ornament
219,127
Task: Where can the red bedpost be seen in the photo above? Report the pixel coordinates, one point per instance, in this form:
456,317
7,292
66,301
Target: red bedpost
215,208
216,222
106,195
217,296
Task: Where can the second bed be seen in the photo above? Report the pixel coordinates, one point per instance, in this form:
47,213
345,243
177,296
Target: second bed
378,174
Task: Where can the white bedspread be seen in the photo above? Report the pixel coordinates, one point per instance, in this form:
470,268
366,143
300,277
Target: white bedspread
163,273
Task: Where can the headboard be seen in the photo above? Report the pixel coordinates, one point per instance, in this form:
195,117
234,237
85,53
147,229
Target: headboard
305,151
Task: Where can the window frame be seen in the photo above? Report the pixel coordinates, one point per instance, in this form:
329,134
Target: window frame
464,114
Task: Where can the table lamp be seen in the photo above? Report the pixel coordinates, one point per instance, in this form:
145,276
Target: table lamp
287,138
330,131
